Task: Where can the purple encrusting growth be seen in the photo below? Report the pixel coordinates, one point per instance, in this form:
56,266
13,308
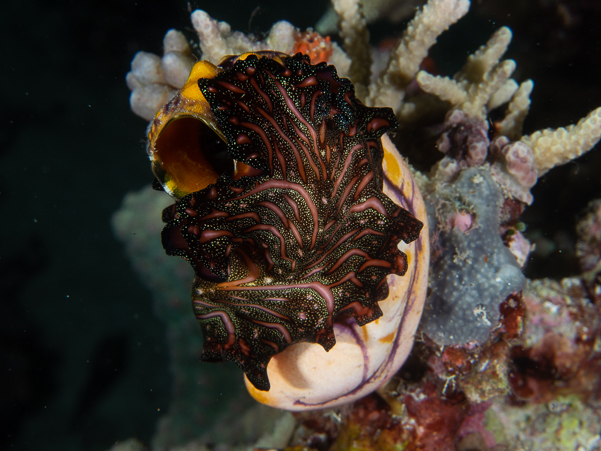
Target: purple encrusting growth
465,140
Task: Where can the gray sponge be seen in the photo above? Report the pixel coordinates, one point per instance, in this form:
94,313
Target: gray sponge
472,271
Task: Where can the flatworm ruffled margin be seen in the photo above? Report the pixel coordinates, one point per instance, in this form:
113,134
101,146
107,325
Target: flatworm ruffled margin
296,233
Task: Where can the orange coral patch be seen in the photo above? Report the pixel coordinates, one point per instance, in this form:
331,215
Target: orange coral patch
317,47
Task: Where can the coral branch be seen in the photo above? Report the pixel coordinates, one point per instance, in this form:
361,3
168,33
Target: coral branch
486,57
353,31
482,84
212,42
554,147
420,35
511,125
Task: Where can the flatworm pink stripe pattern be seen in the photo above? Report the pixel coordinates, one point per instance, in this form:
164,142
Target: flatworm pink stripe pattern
306,240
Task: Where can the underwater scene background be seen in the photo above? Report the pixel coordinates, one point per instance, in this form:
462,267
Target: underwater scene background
84,348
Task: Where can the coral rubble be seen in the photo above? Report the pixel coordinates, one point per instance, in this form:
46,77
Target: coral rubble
500,362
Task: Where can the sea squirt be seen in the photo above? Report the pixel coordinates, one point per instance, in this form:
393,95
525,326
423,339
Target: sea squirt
299,217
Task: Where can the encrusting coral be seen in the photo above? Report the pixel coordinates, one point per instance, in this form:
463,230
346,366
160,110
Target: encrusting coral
488,343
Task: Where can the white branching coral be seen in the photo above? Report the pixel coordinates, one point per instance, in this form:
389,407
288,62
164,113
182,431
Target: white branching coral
483,83
556,147
421,34
154,80
517,109
217,38
353,32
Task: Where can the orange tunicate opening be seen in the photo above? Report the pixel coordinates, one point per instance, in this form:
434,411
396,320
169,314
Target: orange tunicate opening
189,156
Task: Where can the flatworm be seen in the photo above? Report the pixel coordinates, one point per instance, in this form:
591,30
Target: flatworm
276,167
